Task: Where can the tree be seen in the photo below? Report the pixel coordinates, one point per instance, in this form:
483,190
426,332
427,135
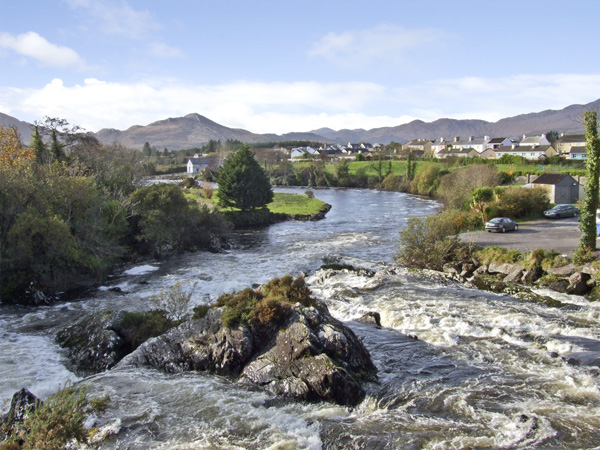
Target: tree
146,150
481,198
243,184
587,224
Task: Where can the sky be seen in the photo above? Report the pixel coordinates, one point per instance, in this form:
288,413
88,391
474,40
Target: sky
281,66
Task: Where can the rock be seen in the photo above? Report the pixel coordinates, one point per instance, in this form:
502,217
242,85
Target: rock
488,283
578,283
559,286
23,402
311,356
92,344
480,270
515,275
564,271
370,318
531,275
503,268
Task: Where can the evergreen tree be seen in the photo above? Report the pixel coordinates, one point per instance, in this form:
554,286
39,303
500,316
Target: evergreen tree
243,184
587,223
38,145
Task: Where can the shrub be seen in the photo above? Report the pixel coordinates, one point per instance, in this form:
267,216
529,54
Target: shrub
175,300
521,202
200,311
427,243
426,181
456,188
266,306
57,423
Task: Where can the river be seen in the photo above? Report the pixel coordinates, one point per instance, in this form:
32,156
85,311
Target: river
458,368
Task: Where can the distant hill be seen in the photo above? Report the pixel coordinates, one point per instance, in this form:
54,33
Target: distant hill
25,129
194,130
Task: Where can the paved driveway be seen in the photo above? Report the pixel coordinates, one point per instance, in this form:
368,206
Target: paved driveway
561,235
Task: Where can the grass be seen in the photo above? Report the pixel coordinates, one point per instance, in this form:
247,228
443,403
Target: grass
295,204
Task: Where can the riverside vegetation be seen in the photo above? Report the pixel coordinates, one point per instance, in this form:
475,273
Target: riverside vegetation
72,209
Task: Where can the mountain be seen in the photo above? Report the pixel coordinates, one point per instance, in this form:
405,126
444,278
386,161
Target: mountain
25,129
194,130
567,120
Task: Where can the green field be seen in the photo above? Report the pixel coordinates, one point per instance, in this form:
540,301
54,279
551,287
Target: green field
295,204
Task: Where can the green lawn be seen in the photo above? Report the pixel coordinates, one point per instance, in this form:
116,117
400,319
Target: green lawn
295,204
284,203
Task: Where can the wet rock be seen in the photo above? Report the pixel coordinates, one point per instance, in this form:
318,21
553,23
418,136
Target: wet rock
92,344
23,402
311,356
370,318
488,283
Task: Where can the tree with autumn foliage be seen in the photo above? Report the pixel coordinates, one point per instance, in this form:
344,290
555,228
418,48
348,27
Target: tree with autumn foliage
12,151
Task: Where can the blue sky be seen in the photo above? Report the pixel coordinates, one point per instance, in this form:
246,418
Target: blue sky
281,66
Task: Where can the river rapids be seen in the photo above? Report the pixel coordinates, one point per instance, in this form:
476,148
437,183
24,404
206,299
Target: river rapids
458,368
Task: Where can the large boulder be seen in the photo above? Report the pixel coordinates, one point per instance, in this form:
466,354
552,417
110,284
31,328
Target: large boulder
310,356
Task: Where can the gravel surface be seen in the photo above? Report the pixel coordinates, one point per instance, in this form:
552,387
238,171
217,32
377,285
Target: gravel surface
561,235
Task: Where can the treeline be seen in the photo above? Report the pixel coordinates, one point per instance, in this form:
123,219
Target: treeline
72,208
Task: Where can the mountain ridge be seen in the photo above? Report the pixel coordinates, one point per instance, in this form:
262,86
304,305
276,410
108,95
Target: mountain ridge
195,130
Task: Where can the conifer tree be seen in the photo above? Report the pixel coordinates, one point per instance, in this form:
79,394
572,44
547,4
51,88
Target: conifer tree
243,184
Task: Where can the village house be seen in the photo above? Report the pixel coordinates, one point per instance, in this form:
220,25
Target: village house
477,144
579,153
452,152
437,146
418,146
540,152
534,141
496,143
195,165
566,142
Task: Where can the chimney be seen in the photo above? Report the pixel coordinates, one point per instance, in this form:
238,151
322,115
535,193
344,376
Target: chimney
486,138
524,136
514,145
471,138
441,139
456,139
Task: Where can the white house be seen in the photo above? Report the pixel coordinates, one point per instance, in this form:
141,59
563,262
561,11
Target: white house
195,165
477,144
528,152
534,141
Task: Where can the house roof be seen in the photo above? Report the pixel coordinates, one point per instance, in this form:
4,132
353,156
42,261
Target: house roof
457,150
568,138
551,178
533,139
497,140
526,148
579,149
194,160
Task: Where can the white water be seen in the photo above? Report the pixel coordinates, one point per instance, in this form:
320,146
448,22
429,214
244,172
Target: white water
458,368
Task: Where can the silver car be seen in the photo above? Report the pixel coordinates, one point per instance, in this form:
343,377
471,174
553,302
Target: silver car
501,224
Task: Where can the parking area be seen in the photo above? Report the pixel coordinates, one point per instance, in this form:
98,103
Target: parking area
561,235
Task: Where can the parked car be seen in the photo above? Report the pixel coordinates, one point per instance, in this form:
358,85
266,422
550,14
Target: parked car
562,211
501,224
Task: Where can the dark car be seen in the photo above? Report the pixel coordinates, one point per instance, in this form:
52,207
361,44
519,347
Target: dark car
501,224
562,211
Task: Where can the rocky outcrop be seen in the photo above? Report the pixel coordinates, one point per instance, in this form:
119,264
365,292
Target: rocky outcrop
311,356
23,403
100,340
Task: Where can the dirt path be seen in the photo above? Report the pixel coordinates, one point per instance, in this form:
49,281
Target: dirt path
561,235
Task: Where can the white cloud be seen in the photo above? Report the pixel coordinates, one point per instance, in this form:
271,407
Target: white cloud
384,43
281,107
118,18
259,107
35,46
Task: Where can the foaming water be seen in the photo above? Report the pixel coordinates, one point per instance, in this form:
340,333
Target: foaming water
458,368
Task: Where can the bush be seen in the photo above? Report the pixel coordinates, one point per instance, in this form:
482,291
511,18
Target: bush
267,306
427,243
426,180
498,255
57,423
516,202
175,300
456,188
